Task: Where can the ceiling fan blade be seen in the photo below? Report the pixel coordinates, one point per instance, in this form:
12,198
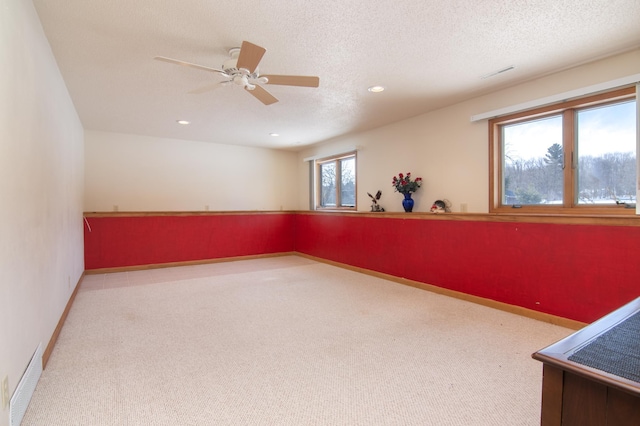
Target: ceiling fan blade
250,56
293,80
262,95
187,64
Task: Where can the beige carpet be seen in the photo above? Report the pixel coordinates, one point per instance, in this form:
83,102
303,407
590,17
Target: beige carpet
286,341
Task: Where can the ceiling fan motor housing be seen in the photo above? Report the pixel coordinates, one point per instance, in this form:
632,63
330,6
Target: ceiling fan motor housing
230,65
240,76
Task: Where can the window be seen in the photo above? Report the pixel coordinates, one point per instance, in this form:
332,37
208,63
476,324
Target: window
336,182
575,157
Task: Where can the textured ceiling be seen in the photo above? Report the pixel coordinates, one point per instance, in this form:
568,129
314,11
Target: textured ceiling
427,53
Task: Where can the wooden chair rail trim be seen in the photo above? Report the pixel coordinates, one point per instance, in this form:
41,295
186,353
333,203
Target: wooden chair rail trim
602,220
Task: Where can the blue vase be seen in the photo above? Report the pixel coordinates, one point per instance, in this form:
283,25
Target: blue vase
407,203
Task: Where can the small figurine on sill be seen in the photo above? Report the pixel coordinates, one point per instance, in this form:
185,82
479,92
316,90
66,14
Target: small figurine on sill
441,206
375,207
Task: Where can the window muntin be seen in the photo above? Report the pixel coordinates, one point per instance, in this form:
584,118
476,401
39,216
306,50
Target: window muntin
577,156
336,179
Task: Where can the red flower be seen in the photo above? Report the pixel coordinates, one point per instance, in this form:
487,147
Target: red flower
403,183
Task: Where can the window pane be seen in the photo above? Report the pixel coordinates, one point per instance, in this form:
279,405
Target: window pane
607,154
533,157
348,182
337,183
328,187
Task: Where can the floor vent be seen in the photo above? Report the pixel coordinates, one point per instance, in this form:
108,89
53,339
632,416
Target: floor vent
24,391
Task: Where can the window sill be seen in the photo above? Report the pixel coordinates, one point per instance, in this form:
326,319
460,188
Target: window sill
606,211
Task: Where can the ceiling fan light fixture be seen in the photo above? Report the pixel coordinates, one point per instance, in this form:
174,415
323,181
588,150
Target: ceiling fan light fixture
376,89
240,80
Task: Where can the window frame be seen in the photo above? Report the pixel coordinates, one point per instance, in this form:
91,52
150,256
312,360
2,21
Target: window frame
318,181
568,109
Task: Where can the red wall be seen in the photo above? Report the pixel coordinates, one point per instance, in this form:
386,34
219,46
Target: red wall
580,272
119,241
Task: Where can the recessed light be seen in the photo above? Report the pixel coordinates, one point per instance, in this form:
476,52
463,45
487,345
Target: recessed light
376,89
274,134
183,122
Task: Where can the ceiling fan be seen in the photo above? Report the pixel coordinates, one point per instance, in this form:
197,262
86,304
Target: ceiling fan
242,69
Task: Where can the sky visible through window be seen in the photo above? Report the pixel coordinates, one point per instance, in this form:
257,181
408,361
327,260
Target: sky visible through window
604,129
608,129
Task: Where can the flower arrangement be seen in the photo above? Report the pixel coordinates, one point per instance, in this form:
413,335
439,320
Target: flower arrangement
403,183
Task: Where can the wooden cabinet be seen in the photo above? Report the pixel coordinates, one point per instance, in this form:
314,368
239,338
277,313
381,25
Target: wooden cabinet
586,382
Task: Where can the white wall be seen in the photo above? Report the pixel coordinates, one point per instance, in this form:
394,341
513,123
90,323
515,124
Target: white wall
141,173
41,186
443,147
